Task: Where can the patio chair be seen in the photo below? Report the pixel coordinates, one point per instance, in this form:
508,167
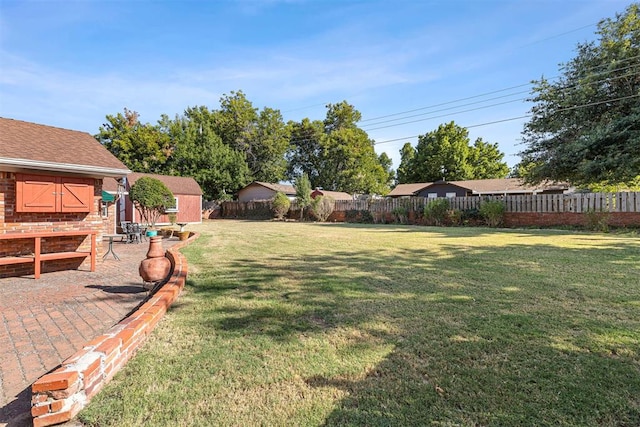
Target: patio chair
135,233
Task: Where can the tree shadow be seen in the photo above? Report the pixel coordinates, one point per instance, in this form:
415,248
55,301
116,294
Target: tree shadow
479,335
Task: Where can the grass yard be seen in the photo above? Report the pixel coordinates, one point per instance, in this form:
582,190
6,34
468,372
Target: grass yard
303,324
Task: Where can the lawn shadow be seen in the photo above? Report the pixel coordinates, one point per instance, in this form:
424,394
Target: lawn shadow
479,335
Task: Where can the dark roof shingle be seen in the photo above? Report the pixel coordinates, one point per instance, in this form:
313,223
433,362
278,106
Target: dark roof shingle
177,184
33,142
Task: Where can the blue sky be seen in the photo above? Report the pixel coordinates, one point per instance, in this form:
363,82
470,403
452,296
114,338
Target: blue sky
70,63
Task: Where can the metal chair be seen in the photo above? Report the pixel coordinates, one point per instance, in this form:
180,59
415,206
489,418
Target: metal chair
135,233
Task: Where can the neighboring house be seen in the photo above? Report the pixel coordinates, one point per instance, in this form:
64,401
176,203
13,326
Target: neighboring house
261,191
335,195
477,187
51,181
186,191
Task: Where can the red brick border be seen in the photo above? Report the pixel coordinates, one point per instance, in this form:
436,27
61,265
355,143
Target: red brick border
58,396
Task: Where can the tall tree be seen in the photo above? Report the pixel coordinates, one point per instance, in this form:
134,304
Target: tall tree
141,147
386,163
269,142
303,193
585,126
260,135
305,155
336,154
200,153
443,154
486,161
404,174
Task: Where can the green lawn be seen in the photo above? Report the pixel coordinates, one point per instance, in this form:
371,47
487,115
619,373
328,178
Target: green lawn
286,324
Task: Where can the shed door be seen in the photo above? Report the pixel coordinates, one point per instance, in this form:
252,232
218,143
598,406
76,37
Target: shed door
76,195
35,193
41,193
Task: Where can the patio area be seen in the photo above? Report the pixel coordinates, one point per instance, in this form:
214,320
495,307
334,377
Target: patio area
44,321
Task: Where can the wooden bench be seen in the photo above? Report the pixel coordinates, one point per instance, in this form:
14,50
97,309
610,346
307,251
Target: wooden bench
37,257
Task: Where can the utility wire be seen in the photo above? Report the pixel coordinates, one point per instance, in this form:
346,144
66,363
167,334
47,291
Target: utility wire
575,107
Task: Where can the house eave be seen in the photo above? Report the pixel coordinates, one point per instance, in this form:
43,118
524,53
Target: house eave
19,165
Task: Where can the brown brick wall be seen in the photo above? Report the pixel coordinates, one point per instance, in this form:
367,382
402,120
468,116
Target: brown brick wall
532,219
19,222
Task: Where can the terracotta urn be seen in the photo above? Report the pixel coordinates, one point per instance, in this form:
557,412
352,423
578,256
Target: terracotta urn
156,266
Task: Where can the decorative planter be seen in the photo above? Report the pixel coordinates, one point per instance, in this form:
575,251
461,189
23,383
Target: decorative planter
156,267
151,233
183,235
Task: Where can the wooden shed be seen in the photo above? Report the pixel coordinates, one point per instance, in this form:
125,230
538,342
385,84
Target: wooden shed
186,191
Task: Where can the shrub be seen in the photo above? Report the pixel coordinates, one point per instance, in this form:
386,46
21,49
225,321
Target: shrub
354,215
471,216
151,198
400,215
322,207
280,205
454,216
493,212
596,220
435,211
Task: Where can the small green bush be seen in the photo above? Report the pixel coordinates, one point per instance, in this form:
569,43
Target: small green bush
400,215
435,211
280,205
454,216
322,207
493,212
596,220
359,216
151,198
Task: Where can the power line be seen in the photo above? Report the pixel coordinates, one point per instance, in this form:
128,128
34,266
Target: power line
506,89
575,107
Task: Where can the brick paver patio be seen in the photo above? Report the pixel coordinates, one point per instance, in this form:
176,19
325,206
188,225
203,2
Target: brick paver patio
44,321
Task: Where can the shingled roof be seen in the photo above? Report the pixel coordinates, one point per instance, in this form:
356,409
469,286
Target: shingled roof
29,146
177,184
289,190
482,186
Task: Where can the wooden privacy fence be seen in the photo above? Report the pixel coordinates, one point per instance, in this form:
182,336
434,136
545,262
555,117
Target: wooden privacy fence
538,203
541,203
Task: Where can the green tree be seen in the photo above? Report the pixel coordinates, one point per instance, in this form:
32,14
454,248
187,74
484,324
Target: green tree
336,154
303,193
200,153
486,161
386,163
281,205
261,136
305,155
585,126
404,174
443,154
151,198
269,142
141,147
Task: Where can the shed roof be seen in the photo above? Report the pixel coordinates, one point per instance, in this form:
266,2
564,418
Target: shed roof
335,195
408,189
177,184
481,186
289,190
30,146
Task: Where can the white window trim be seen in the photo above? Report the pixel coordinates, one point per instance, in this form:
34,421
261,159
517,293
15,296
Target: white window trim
173,209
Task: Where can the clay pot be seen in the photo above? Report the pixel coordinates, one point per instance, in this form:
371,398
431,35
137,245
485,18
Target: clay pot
156,266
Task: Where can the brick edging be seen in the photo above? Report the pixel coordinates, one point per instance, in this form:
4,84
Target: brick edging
58,396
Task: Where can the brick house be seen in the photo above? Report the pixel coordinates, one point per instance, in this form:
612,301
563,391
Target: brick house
51,184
